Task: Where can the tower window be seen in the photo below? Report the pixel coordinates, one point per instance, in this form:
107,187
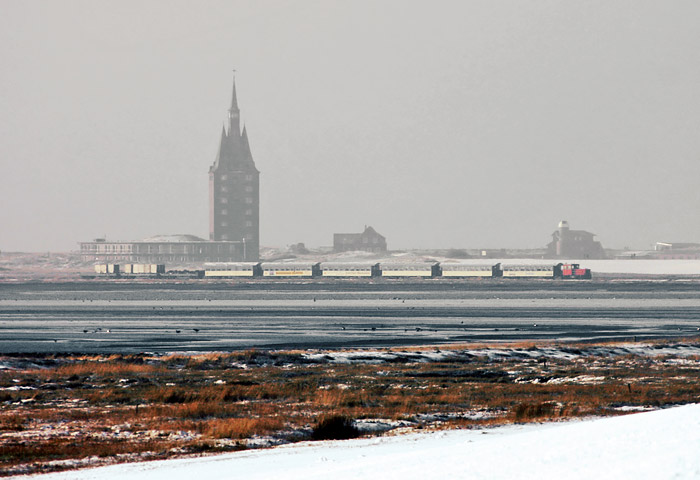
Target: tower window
224,224
248,223
224,177
248,199
224,188
249,177
248,188
249,212
224,211
224,200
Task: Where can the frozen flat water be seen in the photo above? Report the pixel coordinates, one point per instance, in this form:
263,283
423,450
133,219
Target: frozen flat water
99,317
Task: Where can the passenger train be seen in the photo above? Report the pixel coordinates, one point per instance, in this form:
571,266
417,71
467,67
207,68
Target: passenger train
393,270
357,270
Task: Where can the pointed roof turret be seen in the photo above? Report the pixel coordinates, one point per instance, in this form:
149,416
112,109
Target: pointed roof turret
245,148
234,99
222,148
244,143
234,114
234,149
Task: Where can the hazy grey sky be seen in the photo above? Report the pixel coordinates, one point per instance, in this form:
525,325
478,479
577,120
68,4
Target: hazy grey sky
441,123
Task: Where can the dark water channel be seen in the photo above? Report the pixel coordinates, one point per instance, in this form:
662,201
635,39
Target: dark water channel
105,317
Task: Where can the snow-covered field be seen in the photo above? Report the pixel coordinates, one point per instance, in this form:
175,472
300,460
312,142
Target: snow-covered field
661,444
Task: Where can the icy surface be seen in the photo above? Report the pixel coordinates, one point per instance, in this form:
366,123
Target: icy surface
662,444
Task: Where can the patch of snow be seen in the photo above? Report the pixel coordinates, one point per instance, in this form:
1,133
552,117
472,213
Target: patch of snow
580,380
379,425
650,445
633,408
370,356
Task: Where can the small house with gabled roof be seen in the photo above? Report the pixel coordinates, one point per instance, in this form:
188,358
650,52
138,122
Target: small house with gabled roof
367,241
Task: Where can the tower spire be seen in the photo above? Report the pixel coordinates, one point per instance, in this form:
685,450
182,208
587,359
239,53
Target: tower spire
234,114
234,99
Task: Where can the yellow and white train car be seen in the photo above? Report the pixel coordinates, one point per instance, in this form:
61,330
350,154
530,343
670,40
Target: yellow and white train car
469,270
232,269
291,269
528,271
399,270
143,268
357,269
107,269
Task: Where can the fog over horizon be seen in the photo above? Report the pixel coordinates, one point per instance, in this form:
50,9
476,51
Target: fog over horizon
447,124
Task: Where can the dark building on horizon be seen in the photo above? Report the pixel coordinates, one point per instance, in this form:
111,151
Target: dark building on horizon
574,244
234,189
368,241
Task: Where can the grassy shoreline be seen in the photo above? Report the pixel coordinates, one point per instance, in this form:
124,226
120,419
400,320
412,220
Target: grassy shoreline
70,411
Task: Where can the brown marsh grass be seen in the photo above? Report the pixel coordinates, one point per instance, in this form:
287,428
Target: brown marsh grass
81,406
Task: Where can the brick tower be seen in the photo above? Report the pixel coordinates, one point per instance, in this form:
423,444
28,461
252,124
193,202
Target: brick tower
234,193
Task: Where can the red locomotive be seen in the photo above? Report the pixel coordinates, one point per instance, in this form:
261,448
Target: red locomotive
571,270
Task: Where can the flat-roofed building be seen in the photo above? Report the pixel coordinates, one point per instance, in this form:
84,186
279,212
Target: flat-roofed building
177,249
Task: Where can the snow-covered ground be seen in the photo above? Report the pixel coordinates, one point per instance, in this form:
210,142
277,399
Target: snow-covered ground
661,444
